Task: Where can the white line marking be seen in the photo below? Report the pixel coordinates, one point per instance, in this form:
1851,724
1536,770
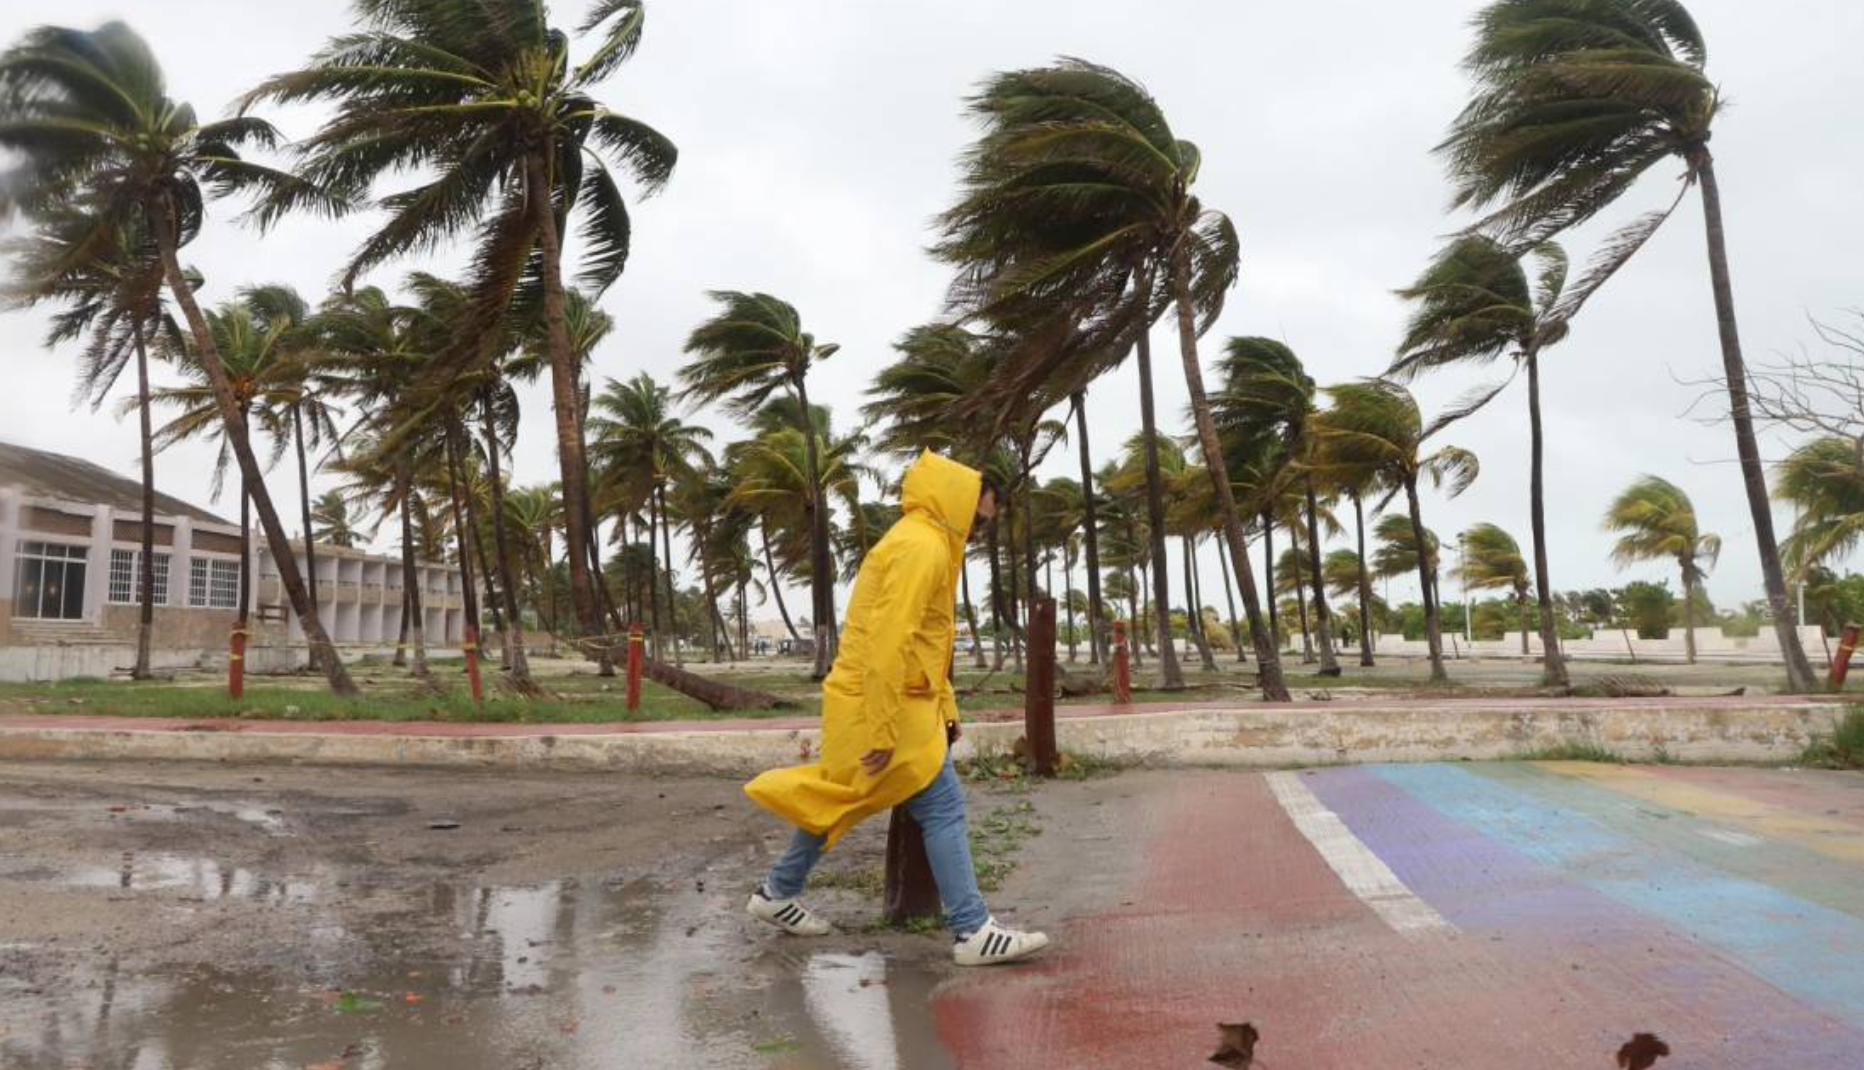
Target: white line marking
1363,873
1730,837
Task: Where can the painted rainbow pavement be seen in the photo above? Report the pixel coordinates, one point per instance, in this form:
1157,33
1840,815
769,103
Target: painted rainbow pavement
1521,915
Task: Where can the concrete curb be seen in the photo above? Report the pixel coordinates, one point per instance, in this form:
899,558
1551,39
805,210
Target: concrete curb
1246,736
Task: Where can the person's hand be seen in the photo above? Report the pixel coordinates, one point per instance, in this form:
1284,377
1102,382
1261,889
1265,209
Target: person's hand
874,762
952,733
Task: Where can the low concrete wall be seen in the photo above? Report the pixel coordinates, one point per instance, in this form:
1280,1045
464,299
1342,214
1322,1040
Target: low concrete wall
47,664
1247,737
1711,645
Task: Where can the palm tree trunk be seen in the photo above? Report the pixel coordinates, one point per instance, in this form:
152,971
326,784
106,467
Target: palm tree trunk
400,660
970,617
655,644
1553,672
1799,678
821,571
1229,597
1090,527
1323,617
492,590
565,378
242,618
1268,578
996,602
1014,587
1171,676
411,582
673,612
1433,626
1268,662
516,661
1689,618
145,567
462,534
1365,587
776,581
276,539
1521,602
304,504
1300,606
1067,582
1194,607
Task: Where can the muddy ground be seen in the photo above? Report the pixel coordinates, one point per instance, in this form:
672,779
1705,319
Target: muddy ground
189,917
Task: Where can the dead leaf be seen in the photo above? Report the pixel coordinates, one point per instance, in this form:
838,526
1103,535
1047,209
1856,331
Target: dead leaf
1236,1045
412,998
1641,1052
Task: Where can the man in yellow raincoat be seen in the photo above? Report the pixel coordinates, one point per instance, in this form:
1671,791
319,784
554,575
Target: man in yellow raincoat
889,717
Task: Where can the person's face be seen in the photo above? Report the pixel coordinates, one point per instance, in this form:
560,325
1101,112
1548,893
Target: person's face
986,515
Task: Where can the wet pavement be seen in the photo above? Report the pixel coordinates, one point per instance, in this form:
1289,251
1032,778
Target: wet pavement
1516,915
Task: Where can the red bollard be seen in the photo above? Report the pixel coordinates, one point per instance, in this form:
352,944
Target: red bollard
236,666
635,643
1122,666
471,647
1841,662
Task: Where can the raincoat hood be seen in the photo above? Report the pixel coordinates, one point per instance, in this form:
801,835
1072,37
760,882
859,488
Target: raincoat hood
944,492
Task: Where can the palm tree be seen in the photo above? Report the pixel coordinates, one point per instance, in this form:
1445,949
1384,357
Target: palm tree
1658,522
1575,101
1492,561
1078,199
1824,479
480,98
331,521
1267,394
111,301
752,349
1374,426
1474,304
534,514
641,446
1396,554
94,136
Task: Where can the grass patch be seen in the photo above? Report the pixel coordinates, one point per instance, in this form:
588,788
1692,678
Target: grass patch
996,840
1844,749
865,880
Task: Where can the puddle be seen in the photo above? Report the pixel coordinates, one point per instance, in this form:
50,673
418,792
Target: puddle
562,975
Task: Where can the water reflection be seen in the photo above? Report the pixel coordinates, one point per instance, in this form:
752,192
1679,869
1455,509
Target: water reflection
562,974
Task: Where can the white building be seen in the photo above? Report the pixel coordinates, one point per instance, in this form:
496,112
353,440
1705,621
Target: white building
70,536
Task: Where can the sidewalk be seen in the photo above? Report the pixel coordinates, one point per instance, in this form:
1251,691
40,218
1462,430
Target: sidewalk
1250,734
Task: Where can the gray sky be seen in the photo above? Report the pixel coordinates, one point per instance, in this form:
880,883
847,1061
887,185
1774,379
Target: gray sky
817,139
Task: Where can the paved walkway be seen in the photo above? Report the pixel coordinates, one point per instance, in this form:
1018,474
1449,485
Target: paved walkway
1444,917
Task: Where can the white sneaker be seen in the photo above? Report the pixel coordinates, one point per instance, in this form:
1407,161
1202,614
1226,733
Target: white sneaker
787,914
994,945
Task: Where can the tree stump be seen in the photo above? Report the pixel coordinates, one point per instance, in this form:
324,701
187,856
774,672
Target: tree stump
911,891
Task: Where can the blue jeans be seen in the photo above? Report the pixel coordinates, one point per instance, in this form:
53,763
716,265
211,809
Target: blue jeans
939,810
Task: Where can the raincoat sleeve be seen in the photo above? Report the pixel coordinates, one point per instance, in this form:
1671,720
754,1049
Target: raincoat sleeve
913,578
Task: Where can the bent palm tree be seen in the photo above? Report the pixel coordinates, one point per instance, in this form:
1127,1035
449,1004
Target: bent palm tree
1078,196
1575,101
1474,304
754,347
1824,479
482,99
93,135
1658,522
1375,426
1492,561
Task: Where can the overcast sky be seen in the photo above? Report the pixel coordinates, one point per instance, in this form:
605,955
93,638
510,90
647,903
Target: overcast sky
817,139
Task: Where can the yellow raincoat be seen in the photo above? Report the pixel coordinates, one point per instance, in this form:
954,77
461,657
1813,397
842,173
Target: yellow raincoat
891,687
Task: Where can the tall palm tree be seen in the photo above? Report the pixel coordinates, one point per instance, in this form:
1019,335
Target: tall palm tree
752,349
112,302
1078,198
1824,479
1397,553
534,514
91,133
1474,303
1374,426
1492,561
641,440
1266,393
1658,522
1575,101
482,100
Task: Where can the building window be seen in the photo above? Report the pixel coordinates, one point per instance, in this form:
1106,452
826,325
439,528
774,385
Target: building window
48,583
125,570
213,583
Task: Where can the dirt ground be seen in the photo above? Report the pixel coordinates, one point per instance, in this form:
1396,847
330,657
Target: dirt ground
188,917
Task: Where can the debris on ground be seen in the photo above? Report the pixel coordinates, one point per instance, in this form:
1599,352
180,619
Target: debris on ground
1236,1045
1641,1052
